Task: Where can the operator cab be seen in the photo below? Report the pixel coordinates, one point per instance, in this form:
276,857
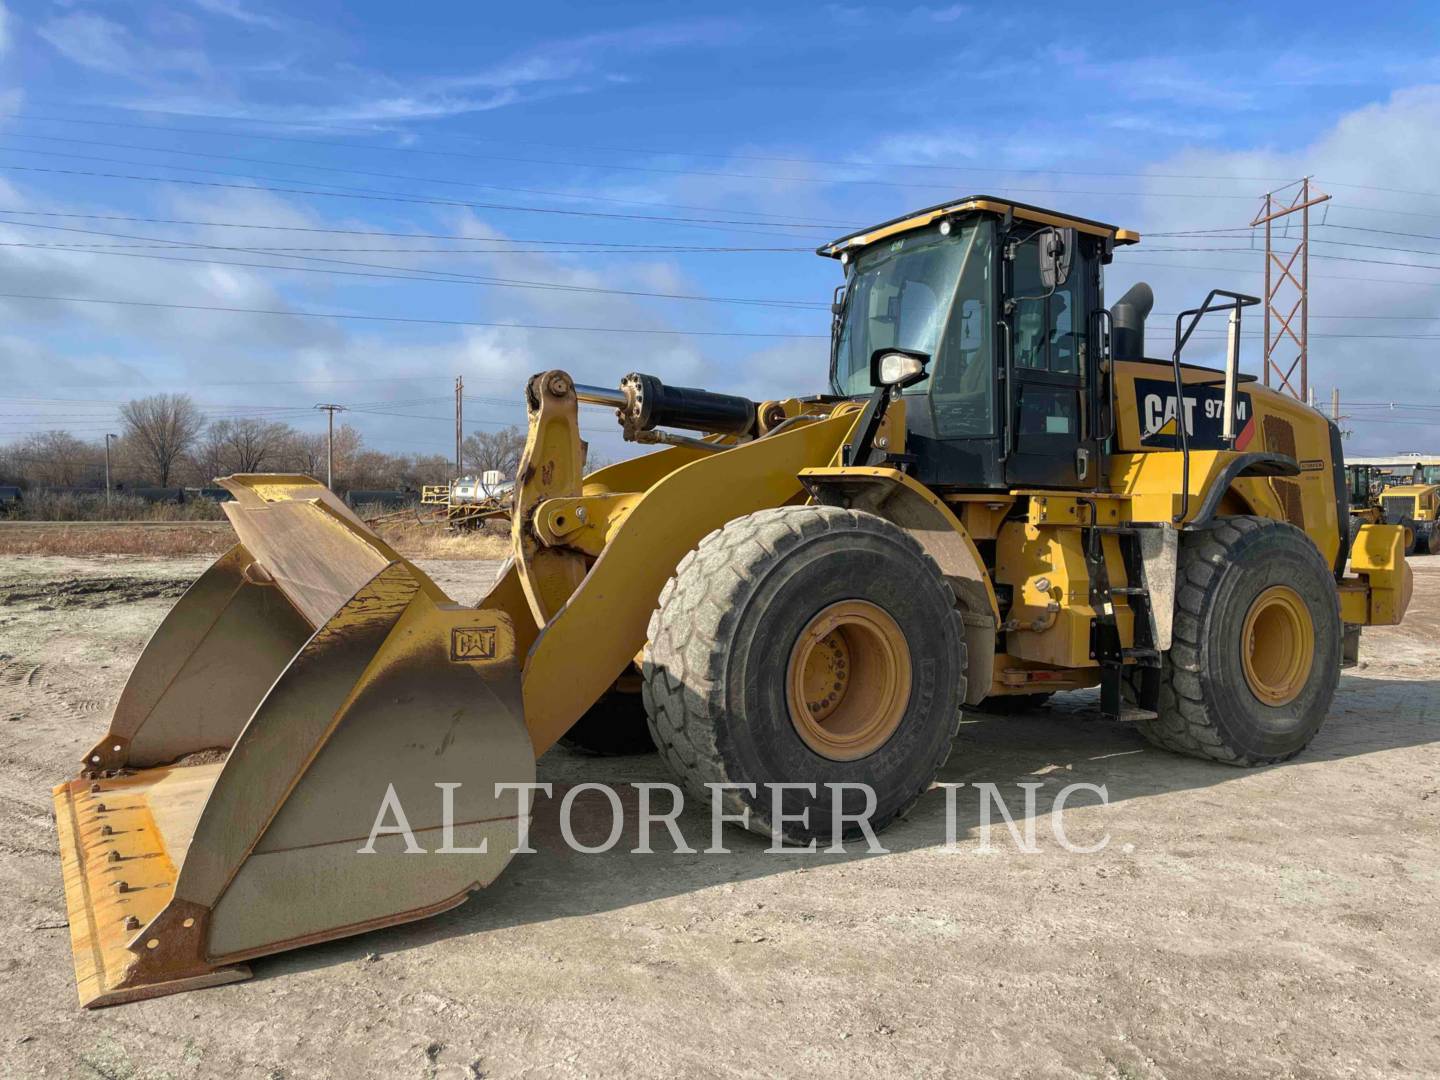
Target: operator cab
1006,301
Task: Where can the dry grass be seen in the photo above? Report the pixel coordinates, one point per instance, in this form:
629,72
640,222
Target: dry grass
119,538
412,540
416,541
45,506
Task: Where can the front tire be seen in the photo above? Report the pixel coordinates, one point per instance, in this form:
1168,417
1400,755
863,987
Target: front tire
1256,653
1412,535
806,644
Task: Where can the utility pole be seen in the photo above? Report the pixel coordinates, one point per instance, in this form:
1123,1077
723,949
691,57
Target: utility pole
1288,283
107,467
459,423
1335,404
330,444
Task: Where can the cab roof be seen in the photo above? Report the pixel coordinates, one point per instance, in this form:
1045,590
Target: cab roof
985,204
1407,489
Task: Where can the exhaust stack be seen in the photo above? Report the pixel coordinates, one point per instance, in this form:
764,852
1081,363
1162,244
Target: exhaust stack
1127,319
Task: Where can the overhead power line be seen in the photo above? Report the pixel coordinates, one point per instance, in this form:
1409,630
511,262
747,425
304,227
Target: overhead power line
438,277
790,160
406,319
412,200
1313,277
607,252
851,163
404,177
1313,255
601,246
516,326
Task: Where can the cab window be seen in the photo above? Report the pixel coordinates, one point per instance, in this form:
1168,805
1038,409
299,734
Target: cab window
1048,329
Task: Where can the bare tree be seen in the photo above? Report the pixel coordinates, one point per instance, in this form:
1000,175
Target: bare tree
158,431
207,460
498,450
246,445
349,449
428,469
59,459
304,453
595,462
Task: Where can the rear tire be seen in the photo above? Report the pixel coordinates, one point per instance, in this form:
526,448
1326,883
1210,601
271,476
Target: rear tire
1256,653
615,726
727,650
1426,541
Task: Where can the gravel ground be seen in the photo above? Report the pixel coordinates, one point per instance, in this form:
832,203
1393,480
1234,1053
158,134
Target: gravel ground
1276,922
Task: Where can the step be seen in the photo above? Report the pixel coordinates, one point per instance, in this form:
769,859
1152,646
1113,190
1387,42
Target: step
1130,713
1141,654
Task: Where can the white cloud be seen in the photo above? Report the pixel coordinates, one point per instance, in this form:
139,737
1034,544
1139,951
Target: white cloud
352,95
949,13
241,13
101,44
1158,125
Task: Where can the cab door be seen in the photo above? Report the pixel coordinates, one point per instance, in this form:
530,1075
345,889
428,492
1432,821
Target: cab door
1049,398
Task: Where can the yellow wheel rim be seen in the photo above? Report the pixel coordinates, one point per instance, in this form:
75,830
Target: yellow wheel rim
848,680
1277,645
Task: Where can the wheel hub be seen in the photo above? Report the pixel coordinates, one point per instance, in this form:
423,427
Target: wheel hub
1277,645
848,680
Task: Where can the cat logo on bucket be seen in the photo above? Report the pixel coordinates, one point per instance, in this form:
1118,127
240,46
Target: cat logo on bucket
472,643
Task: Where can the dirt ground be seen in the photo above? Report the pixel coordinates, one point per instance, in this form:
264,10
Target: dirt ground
1276,922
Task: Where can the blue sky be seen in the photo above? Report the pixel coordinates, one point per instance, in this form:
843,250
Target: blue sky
335,148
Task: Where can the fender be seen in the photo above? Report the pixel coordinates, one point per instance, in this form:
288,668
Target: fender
907,503
1256,463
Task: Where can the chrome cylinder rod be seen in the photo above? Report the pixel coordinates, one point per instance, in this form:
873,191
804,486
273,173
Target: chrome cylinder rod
600,395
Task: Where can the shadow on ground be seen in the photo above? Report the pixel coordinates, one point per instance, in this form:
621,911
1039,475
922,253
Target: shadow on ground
1064,742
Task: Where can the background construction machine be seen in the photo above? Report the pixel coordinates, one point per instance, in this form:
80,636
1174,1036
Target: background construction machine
468,502
1413,507
1404,494
998,495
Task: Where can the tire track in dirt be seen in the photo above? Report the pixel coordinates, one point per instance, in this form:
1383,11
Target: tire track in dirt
34,680
90,592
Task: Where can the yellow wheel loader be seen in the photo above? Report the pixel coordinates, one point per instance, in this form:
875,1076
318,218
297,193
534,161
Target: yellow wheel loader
1413,507
998,495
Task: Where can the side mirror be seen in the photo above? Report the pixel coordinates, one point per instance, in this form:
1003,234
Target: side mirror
897,368
1057,251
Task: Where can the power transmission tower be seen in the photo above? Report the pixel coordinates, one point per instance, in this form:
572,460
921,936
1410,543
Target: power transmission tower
459,422
330,443
1283,284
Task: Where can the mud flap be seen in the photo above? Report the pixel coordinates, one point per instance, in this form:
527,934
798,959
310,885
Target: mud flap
177,869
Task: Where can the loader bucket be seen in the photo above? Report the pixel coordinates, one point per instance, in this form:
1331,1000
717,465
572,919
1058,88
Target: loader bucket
309,686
